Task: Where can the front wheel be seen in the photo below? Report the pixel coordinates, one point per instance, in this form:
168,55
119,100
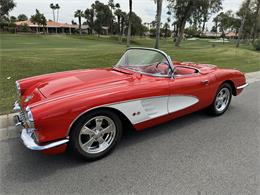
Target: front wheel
222,100
96,134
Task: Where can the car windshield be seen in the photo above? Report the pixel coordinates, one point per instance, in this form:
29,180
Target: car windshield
145,61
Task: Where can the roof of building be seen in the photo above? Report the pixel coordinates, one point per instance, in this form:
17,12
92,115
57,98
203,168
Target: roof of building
49,24
231,34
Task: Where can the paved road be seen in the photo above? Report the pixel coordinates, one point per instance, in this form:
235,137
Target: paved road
196,154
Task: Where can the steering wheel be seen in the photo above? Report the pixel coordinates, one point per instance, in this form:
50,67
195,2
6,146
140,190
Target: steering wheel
163,63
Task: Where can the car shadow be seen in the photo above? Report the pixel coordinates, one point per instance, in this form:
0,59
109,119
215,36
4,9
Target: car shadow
131,137
25,165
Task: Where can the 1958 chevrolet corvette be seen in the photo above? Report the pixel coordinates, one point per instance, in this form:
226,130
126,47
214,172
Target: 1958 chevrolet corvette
87,110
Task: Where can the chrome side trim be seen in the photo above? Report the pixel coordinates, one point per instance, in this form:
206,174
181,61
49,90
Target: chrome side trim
30,143
18,88
242,86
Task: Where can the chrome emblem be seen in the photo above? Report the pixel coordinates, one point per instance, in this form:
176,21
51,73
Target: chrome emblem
28,98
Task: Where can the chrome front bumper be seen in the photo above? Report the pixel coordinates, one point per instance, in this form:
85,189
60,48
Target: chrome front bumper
29,142
242,86
27,134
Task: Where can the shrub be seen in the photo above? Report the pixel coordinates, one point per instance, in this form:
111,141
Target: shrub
257,45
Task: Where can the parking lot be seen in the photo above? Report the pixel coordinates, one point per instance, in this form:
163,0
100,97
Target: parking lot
196,154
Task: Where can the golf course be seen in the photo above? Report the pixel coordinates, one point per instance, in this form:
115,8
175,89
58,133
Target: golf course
25,55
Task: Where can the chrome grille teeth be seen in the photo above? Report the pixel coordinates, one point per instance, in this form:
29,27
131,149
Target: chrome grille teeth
22,117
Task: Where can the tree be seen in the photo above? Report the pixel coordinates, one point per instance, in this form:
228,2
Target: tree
158,22
225,21
209,7
256,20
73,22
39,19
89,15
183,10
123,23
22,17
13,19
117,5
118,13
58,9
246,7
215,27
166,28
53,7
195,12
79,14
6,6
129,23
111,4
137,28
103,16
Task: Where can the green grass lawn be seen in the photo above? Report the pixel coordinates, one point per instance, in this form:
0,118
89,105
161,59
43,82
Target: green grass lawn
27,55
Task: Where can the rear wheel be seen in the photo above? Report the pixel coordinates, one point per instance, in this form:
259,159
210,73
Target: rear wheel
96,134
222,100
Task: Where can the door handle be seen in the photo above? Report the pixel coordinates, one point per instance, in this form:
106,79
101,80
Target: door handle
205,82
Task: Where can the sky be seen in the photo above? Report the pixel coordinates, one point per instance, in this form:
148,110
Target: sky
146,9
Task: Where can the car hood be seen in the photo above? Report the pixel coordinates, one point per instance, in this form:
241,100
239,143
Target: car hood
81,81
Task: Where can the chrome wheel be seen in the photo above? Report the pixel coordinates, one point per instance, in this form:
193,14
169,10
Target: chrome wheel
222,99
97,134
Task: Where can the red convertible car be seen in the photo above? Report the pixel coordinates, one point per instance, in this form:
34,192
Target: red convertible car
87,110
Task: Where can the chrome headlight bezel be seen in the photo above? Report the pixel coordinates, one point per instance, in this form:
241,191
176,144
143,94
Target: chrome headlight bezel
18,88
29,116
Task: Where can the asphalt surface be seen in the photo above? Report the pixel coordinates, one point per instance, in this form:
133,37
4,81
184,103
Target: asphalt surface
196,154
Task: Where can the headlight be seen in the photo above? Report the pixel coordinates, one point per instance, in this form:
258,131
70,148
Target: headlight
29,117
18,88
29,114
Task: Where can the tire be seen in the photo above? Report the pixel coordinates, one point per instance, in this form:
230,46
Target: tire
95,135
222,100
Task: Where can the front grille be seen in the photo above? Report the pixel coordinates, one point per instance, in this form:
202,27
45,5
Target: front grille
22,117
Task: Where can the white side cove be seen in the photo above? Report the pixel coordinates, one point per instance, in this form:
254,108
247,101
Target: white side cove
145,109
180,102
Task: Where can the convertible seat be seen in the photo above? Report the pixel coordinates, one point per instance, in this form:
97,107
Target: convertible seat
183,71
162,68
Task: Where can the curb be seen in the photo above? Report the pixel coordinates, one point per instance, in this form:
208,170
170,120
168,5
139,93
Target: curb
8,129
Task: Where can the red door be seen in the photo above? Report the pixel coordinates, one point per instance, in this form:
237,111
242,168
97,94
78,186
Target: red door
189,93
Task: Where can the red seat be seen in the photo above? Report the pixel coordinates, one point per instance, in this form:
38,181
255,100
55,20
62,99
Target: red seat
184,70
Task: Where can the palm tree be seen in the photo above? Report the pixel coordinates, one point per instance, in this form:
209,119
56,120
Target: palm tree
79,14
158,22
166,27
129,23
118,13
58,8
53,7
39,19
123,23
117,5
111,4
